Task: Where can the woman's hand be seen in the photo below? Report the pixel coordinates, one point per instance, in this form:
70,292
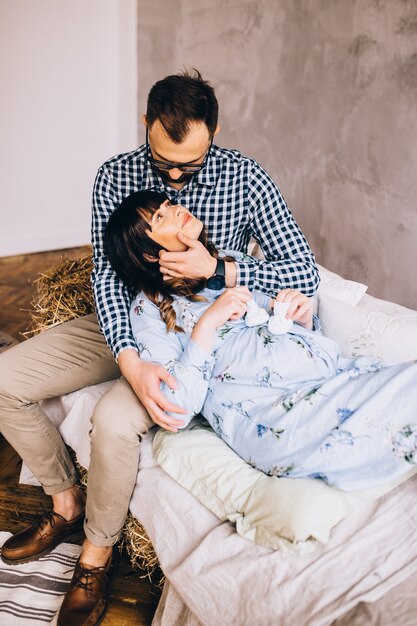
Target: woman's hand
301,307
231,305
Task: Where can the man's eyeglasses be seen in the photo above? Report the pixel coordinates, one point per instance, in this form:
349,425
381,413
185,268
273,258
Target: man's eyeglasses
189,168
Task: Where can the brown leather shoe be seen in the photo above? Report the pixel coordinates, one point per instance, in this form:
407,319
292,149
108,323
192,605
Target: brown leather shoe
38,539
86,601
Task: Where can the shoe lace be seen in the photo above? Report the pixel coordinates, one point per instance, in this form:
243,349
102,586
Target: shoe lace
83,577
46,518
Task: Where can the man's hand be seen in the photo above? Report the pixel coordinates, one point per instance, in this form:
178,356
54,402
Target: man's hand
196,262
145,380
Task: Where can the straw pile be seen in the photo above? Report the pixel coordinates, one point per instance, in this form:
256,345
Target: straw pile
62,294
141,551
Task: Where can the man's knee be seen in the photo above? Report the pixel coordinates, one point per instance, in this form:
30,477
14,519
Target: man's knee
63,359
119,414
12,395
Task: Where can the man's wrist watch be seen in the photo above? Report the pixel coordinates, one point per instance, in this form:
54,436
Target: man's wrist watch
218,280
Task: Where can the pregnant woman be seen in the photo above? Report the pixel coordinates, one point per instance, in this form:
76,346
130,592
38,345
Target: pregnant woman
288,403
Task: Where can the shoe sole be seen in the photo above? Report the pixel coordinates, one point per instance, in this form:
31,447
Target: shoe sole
35,557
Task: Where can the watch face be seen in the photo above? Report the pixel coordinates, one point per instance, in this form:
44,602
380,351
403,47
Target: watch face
216,282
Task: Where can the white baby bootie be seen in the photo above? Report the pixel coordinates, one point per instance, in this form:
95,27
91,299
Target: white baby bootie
255,316
278,324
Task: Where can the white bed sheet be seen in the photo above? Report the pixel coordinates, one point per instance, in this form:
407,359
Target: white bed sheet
366,574
224,579
217,577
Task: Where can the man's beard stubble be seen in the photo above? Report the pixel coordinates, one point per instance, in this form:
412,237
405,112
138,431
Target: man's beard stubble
184,178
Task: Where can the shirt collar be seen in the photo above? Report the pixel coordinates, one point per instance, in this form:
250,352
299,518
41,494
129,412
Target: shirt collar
151,178
209,174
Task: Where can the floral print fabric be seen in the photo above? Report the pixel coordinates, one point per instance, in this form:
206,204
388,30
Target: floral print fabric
289,405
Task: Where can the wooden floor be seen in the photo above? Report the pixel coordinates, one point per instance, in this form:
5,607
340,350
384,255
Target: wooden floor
134,597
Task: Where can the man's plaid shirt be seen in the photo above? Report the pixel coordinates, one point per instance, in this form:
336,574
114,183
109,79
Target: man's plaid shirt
234,198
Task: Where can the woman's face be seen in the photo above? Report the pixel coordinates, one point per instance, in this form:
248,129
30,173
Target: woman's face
167,221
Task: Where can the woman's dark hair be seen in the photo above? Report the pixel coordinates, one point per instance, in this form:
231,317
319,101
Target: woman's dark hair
126,244
180,99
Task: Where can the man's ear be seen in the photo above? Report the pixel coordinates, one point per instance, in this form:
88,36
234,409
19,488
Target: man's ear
144,120
218,128
150,257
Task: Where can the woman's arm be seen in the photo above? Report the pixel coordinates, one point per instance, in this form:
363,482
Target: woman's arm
231,304
189,360
180,356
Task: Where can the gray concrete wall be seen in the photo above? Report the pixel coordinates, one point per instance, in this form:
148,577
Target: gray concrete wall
323,93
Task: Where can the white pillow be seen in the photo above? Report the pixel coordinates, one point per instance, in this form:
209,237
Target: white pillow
285,514
363,331
370,303
277,513
330,283
339,288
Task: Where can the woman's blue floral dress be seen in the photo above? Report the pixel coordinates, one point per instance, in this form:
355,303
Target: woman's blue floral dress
289,405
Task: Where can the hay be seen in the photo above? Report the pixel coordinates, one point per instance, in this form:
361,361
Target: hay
64,293
141,551
61,294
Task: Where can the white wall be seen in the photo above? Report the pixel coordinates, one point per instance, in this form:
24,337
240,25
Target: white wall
69,101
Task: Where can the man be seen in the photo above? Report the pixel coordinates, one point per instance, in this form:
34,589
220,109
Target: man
235,199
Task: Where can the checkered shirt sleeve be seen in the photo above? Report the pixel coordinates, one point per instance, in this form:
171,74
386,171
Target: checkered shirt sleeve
111,296
289,261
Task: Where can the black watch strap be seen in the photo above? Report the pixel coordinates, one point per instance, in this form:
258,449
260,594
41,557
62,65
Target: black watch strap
218,280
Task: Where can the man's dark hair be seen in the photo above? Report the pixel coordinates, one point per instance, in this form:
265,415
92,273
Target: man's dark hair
180,99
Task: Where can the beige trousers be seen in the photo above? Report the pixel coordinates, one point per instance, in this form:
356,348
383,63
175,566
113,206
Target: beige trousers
58,361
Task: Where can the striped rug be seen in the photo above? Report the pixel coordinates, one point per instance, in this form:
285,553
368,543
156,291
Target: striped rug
31,593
